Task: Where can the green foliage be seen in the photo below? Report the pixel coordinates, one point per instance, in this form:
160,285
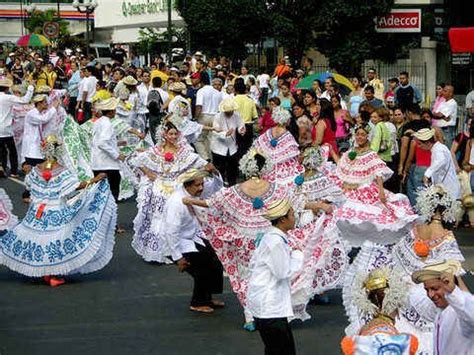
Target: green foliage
151,41
224,26
38,18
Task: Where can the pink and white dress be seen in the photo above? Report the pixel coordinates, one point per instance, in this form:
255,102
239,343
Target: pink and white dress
283,152
232,224
363,216
7,218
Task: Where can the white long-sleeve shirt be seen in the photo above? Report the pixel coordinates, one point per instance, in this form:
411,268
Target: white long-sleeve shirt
442,170
182,227
221,143
104,151
33,132
272,265
6,104
454,325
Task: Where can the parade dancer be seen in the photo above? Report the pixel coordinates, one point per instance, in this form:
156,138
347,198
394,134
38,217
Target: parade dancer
271,268
451,307
62,233
281,148
370,212
7,218
186,243
159,168
379,296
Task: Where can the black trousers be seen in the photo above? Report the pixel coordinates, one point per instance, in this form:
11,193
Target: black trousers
245,142
8,150
276,335
206,270
87,108
71,107
113,176
32,162
228,166
153,122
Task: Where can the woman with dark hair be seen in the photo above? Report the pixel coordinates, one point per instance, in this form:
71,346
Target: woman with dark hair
301,124
343,122
311,103
159,168
324,131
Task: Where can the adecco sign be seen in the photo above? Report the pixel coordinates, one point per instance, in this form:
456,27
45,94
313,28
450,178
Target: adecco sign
399,20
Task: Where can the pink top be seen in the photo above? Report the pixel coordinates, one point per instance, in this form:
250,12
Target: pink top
341,124
439,100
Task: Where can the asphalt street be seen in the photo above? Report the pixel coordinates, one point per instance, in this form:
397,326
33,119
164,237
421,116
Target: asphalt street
133,307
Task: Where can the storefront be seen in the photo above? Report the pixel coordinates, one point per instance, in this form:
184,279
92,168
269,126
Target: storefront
119,21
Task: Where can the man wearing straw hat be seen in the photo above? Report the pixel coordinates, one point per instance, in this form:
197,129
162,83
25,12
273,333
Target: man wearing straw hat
271,268
105,154
452,307
186,242
227,124
442,170
7,143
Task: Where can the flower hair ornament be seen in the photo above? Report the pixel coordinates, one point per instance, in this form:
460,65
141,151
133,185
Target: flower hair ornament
386,279
248,164
52,148
431,198
177,116
281,116
313,158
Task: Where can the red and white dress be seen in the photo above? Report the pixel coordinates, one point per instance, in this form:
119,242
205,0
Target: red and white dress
232,224
7,218
363,216
283,152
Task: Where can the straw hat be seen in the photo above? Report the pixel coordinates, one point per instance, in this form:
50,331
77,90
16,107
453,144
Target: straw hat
107,105
5,82
43,89
39,98
192,174
425,134
198,53
178,87
130,80
277,209
434,271
229,104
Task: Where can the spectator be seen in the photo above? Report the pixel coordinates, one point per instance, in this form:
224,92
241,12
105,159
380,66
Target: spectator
446,116
406,94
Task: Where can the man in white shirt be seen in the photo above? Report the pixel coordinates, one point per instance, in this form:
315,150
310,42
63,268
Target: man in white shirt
442,170
470,104
7,143
186,241
451,307
105,154
227,124
271,267
33,131
207,106
88,86
263,82
446,115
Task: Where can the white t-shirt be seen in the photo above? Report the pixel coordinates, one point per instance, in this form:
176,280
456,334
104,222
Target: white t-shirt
90,85
449,109
209,98
263,80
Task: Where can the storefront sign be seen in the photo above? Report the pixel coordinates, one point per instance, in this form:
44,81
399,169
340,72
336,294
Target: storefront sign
144,7
399,20
461,59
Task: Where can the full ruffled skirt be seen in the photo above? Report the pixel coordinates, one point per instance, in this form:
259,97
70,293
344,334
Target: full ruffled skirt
76,237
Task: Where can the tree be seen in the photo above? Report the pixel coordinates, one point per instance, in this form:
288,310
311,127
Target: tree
38,18
224,27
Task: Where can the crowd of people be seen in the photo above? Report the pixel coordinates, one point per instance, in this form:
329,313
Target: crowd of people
290,191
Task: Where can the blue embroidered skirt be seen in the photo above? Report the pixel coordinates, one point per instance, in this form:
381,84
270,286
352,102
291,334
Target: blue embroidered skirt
73,237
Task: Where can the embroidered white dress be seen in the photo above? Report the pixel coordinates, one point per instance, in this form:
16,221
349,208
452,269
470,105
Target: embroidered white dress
7,218
152,195
61,235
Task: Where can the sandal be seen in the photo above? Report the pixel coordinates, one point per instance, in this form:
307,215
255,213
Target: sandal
201,309
217,304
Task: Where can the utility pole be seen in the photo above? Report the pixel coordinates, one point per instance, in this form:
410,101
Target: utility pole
170,35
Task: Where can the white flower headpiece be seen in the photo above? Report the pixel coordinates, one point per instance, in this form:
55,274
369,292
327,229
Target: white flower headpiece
395,294
248,164
434,196
280,116
313,158
52,148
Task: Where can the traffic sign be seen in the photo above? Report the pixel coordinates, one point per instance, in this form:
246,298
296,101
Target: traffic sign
51,29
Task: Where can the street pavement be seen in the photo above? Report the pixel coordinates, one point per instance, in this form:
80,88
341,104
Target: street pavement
133,307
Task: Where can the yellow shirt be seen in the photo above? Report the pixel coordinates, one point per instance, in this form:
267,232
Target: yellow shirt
42,79
160,74
247,108
102,94
52,76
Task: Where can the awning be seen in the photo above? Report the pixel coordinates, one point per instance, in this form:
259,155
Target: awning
461,39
